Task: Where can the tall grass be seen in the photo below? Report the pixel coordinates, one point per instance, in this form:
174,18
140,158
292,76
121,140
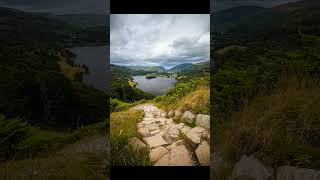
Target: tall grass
123,126
281,128
192,95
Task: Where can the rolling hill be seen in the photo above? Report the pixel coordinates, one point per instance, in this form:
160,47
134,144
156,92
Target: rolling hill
18,28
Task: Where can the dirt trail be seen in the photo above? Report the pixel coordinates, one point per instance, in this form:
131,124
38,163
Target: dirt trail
87,158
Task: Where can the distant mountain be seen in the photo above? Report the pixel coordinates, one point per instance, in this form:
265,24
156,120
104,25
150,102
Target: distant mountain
18,28
22,28
228,17
181,67
280,26
148,68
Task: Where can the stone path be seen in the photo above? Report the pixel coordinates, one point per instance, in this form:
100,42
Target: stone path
172,144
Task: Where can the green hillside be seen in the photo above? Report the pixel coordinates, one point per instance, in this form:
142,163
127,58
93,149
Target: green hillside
41,104
265,79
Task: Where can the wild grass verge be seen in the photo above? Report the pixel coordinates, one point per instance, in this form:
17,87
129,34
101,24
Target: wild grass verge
281,128
123,126
193,95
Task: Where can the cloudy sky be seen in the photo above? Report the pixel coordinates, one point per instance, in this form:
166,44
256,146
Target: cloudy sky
159,40
59,6
217,5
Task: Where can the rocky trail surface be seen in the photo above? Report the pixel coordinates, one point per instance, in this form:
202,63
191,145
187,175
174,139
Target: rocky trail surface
170,143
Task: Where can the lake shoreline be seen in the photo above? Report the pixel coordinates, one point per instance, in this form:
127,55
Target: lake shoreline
157,86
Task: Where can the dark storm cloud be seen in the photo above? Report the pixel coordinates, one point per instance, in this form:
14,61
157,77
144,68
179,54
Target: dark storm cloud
217,5
165,40
59,6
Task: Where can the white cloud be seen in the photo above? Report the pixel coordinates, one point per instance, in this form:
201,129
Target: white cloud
158,39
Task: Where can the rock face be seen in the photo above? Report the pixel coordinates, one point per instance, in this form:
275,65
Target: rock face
188,117
250,168
194,134
203,121
157,153
137,144
203,153
178,156
294,173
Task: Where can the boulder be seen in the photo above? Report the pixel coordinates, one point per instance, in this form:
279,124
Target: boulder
172,133
188,117
156,153
155,141
177,114
294,173
178,156
137,144
250,168
194,134
203,153
203,121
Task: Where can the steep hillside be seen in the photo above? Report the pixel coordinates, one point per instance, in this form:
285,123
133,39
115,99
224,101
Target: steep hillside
265,79
39,98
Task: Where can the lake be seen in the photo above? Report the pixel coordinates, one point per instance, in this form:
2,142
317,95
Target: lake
156,86
96,58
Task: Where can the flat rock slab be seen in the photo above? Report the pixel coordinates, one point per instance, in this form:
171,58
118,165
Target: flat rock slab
178,156
155,141
294,173
203,153
194,134
157,153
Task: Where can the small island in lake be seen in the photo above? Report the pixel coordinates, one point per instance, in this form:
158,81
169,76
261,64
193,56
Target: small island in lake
151,76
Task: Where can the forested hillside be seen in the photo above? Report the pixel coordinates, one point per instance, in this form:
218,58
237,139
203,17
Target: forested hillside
266,84
39,100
